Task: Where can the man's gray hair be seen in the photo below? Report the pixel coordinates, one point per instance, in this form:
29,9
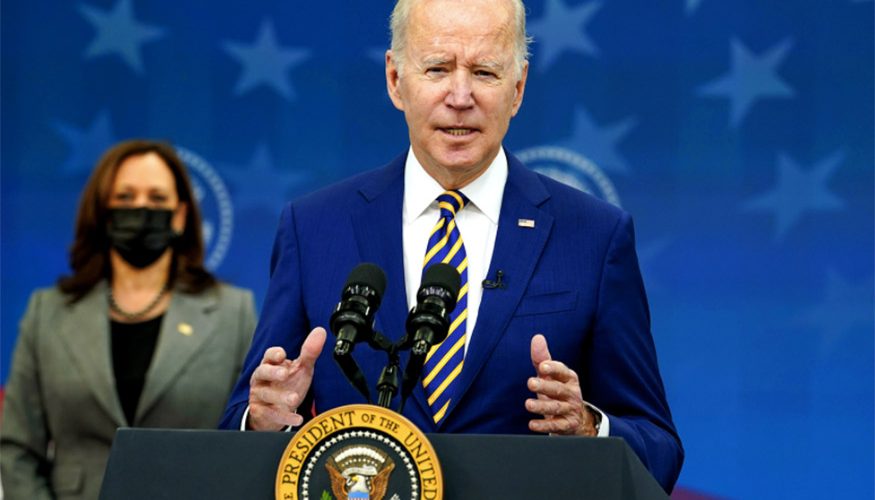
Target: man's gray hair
401,17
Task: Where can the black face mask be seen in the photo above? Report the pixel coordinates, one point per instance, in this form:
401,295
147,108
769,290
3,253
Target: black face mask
140,235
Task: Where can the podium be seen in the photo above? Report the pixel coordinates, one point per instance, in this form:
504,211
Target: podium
188,464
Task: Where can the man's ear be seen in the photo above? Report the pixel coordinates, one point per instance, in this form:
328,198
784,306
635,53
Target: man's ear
393,79
520,89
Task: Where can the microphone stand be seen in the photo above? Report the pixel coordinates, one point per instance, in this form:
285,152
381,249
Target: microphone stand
387,384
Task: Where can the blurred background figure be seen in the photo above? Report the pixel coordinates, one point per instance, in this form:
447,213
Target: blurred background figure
139,335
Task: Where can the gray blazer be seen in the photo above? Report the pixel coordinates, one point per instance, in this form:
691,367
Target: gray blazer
61,409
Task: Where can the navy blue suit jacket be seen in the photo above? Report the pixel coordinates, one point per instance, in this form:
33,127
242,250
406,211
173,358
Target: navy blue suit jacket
573,277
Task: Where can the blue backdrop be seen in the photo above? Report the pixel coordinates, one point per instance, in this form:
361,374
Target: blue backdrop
739,134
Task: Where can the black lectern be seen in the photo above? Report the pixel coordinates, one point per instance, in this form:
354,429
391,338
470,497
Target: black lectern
185,464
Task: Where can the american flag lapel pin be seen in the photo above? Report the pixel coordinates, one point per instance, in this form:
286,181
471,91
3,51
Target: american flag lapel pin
530,223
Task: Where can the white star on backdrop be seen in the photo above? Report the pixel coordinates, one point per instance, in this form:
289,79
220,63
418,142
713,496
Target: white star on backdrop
266,62
692,5
86,145
844,307
750,79
798,192
599,144
561,29
260,184
119,33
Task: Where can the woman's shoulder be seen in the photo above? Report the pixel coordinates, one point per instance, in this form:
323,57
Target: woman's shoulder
228,296
50,306
232,292
50,297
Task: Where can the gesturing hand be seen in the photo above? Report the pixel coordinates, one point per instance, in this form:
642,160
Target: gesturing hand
279,385
559,398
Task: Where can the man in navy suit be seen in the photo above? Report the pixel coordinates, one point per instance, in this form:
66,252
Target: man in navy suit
562,346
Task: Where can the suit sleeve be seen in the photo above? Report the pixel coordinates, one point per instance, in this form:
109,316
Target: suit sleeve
624,379
283,319
25,437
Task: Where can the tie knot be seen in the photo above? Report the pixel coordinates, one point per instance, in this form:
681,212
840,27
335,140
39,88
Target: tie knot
452,201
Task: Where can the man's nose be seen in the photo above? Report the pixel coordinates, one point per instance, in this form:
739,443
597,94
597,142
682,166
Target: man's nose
461,93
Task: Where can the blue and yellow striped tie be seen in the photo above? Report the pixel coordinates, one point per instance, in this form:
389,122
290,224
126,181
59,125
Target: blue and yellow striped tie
443,364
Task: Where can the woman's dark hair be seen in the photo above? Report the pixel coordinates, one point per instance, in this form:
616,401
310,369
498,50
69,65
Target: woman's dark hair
89,254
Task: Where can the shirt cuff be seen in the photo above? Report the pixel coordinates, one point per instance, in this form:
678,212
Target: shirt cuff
603,426
246,416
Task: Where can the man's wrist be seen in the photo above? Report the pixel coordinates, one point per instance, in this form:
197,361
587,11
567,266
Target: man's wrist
244,423
596,418
603,428
596,423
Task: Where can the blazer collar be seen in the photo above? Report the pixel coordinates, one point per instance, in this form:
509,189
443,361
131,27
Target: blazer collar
86,335
378,229
187,325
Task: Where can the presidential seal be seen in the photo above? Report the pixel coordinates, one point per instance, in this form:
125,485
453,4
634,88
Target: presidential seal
571,168
359,452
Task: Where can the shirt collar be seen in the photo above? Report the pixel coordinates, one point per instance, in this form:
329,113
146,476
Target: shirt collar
485,192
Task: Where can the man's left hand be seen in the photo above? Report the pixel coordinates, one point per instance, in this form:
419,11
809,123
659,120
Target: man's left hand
559,399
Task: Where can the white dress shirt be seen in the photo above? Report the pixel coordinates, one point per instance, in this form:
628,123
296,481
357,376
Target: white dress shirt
477,223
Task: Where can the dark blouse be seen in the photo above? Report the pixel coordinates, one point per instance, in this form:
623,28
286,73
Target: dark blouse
133,345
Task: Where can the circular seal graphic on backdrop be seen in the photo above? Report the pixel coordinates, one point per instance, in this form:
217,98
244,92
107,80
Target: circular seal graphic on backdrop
572,169
217,213
360,452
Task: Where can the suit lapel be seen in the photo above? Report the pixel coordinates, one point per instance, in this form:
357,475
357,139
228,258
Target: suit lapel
86,336
517,251
186,326
378,234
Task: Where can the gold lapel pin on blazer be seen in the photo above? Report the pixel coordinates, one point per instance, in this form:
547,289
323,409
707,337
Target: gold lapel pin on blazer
185,329
529,223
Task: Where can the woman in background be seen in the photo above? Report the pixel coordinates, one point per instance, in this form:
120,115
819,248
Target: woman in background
140,335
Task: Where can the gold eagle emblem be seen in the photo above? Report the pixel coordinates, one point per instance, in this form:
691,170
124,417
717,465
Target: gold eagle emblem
359,472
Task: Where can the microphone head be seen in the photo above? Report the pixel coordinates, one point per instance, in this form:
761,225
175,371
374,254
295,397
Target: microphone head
442,276
366,275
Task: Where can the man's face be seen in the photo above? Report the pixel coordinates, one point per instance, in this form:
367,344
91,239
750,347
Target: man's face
458,86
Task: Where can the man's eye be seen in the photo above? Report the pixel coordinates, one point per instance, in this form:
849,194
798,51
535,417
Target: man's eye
435,70
485,74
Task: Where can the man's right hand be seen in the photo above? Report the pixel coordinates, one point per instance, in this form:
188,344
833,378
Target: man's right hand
278,385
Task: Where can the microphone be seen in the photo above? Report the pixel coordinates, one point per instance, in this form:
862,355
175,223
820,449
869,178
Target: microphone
490,285
435,300
428,321
353,318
